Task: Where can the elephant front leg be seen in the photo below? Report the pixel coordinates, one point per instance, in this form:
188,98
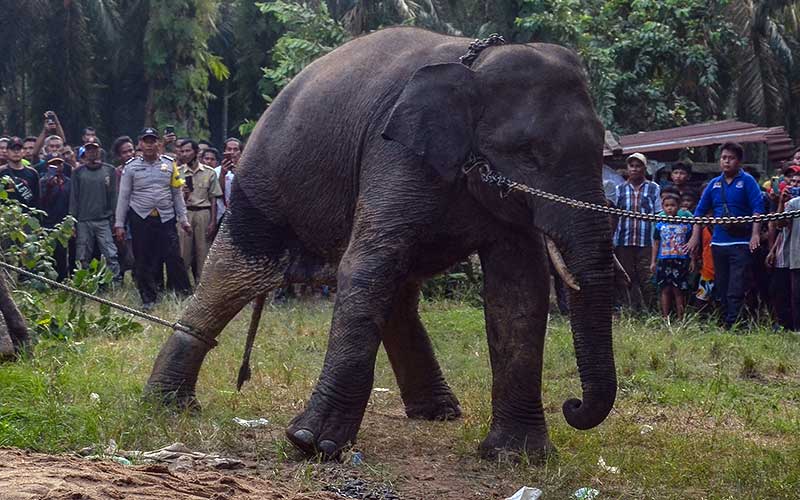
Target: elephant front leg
516,306
368,279
230,280
425,393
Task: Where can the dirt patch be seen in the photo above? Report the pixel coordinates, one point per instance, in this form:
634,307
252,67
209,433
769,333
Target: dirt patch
26,476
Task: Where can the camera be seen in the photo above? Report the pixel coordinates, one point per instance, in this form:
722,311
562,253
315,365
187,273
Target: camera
189,183
169,129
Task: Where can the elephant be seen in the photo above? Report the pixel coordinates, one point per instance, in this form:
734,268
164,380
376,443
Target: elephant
361,163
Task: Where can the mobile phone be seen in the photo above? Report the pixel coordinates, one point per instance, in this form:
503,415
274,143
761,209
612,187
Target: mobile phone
50,115
189,183
169,129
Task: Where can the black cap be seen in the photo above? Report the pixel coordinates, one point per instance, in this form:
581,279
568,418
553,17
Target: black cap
14,142
148,132
53,159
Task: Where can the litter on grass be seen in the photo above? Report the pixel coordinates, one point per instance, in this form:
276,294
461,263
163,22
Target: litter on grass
526,493
608,468
175,455
251,424
585,494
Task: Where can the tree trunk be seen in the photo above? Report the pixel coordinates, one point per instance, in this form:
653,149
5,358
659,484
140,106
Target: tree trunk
17,329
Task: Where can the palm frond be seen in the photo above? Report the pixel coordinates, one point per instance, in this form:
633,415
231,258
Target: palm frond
778,43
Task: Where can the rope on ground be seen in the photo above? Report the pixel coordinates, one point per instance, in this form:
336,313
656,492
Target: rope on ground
149,317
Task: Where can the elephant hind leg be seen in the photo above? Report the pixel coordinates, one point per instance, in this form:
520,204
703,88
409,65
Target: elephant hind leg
230,280
425,393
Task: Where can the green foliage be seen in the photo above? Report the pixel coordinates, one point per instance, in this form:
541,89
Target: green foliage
25,243
310,33
178,64
651,64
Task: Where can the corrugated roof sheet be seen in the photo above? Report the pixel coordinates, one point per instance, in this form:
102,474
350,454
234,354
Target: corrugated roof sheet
779,144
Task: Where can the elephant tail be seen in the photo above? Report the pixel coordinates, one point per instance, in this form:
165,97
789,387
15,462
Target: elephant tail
244,370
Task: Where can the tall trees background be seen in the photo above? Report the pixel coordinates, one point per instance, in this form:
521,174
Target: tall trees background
210,67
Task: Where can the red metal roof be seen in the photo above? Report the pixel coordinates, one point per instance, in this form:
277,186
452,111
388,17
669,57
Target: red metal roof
779,144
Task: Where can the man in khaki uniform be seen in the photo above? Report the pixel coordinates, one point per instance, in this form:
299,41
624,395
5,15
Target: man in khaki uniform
200,190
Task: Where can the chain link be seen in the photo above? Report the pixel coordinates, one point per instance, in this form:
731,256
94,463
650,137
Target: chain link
506,185
211,343
477,46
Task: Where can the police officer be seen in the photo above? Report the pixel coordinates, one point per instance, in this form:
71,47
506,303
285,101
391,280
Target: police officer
201,190
151,199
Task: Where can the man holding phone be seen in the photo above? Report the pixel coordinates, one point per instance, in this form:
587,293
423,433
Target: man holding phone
225,173
170,142
200,192
51,130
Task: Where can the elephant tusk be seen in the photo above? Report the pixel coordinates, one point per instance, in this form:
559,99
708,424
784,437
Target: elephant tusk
558,263
618,265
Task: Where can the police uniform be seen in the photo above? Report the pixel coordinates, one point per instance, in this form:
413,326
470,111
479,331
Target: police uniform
205,191
151,200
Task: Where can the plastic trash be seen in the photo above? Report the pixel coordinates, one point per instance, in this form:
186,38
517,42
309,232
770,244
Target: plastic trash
526,493
585,494
251,424
602,464
357,458
121,460
94,397
645,429
381,389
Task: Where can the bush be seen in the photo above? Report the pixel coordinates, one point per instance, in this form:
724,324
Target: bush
25,243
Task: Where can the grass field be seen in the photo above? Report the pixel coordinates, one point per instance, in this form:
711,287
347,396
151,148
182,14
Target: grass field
724,409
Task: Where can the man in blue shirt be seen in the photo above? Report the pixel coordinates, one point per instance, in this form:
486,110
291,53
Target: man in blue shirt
734,193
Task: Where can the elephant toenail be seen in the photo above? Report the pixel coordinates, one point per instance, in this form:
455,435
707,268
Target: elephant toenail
304,437
328,448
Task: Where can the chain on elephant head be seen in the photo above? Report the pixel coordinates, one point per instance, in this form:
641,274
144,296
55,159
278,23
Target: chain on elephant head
477,46
506,185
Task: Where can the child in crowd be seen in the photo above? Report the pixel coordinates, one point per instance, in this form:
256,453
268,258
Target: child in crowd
704,294
673,191
688,201
670,261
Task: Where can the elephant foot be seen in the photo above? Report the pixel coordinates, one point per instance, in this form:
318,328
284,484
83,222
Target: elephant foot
174,376
507,446
443,405
324,429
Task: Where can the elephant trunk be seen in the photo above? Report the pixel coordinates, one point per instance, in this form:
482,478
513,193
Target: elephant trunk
589,257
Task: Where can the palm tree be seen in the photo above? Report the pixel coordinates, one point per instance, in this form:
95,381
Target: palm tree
766,60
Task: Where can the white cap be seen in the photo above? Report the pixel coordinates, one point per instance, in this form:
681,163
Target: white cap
638,156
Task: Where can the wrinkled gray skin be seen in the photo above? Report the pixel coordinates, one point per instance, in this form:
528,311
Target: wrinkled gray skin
358,162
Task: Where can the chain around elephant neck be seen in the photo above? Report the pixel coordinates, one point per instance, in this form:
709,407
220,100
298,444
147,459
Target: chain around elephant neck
477,46
506,185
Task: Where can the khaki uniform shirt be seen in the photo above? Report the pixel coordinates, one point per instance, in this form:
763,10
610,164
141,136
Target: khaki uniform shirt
206,187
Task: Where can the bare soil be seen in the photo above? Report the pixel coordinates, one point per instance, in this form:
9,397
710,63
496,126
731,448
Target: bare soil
420,464
25,475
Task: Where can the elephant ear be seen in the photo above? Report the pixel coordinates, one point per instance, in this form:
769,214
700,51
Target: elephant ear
435,116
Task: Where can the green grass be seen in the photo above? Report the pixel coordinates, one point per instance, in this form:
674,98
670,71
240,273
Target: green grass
724,408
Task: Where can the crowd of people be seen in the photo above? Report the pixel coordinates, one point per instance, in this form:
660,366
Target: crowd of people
724,267
158,206
153,206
